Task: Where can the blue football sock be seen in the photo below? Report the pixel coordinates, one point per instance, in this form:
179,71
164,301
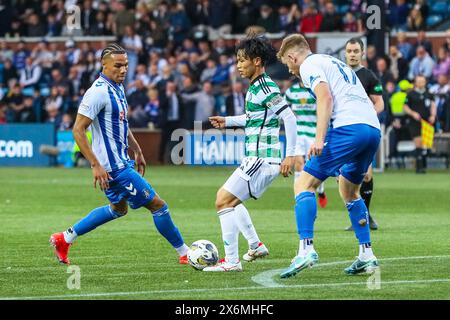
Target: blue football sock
166,227
305,214
357,211
95,218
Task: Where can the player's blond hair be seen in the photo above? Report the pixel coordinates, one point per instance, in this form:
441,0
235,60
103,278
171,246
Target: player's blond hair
294,41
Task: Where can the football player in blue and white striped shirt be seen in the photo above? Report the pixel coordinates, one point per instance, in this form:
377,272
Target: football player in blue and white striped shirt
104,108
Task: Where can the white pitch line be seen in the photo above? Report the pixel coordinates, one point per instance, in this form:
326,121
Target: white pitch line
133,293
261,286
266,279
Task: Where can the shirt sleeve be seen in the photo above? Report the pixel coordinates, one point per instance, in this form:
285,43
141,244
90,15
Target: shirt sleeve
91,104
311,75
376,87
275,102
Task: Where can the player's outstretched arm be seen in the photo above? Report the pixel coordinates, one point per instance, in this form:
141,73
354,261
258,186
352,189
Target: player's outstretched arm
223,122
138,155
79,134
324,109
290,126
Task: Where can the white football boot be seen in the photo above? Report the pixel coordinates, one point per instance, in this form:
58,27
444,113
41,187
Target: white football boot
224,266
254,254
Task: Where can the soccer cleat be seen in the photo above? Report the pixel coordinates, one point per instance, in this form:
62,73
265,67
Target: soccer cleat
61,247
299,263
184,259
350,228
224,266
260,252
359,266
373,225
322,199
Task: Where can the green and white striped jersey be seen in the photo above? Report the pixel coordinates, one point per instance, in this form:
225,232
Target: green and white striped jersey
263,104
304,106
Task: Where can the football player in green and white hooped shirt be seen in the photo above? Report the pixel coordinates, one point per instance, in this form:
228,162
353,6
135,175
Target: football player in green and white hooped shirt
303,104
265,108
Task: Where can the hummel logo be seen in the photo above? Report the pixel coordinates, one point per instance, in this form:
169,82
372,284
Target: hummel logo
130,187
100,83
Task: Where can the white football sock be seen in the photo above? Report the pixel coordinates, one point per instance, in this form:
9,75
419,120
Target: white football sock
365,252
183,250
321,188
70,235
296,175
305,246
245,225
230,234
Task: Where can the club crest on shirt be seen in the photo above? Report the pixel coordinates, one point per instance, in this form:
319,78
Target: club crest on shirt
121,116
146,193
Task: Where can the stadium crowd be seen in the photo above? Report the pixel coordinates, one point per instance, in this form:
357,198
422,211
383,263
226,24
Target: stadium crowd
181,69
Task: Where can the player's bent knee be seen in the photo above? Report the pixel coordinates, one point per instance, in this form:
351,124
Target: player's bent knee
120,209
156,204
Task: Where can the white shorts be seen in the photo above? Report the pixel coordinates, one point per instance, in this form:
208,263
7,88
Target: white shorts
252,178
302,145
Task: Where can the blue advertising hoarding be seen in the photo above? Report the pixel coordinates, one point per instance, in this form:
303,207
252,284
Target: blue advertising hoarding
20,143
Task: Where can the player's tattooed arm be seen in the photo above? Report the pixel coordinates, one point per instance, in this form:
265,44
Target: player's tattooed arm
138,155
79,133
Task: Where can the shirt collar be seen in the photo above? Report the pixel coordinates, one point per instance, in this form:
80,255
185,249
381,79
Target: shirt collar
109,81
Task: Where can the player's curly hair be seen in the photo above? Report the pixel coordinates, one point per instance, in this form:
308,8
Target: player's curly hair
112,48
256,47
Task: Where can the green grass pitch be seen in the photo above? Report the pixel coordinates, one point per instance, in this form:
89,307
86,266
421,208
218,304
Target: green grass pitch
128,259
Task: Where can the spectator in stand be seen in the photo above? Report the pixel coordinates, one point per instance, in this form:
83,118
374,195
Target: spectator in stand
34,27
152,108
311,20
423,7
167,75
53,115
268,19
6,53
422,41
209,72
98,27
138,99
189,87
331,21
371,58
123,18
179,23
235,103
153,74
442,66
204,103
30,75
66,122
350,23
404,46
219,17
242,16
54,99
141,74
133,45
422,64
415,20
9,72
398,64
172,112
88,17
441,92
14,100
20,55
398,13
222,72
72,53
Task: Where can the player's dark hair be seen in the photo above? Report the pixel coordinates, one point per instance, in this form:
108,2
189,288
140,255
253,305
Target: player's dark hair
256,47
354,41
112,48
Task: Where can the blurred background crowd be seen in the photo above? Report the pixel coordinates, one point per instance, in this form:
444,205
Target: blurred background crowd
181,62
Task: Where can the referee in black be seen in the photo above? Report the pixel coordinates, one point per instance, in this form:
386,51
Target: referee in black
419,105
354,51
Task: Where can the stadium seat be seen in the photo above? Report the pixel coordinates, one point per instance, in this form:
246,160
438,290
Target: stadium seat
439,7
433,20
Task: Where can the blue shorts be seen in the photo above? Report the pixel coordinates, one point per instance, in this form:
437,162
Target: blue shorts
349,151
127,184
